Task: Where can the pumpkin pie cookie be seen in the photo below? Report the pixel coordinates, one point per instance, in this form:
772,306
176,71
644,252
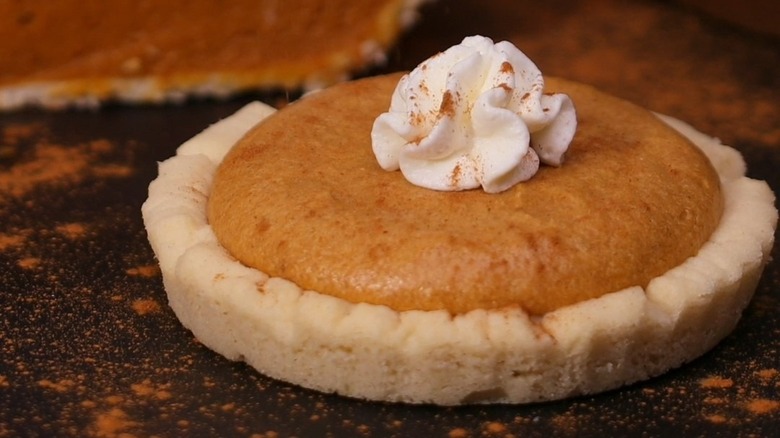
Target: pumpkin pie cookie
283,243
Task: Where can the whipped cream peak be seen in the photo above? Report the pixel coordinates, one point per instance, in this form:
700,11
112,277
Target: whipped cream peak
473,115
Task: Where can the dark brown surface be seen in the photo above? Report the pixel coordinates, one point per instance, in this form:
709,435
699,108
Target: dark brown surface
89,347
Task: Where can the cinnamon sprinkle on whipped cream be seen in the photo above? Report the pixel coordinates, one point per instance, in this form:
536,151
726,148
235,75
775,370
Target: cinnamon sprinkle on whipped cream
475,115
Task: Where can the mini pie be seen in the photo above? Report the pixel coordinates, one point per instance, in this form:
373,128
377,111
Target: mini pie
283,244
83,53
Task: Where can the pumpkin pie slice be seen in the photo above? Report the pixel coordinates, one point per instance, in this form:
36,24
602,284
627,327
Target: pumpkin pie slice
83,53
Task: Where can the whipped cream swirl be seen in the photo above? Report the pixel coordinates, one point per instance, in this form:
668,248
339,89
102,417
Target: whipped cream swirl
474,115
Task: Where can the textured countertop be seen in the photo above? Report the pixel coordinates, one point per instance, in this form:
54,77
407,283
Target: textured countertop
88,345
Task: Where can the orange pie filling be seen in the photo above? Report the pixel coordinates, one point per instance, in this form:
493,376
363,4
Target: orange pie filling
302,197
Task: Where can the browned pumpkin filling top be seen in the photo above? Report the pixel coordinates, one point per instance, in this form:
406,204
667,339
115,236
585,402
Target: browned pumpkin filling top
302,197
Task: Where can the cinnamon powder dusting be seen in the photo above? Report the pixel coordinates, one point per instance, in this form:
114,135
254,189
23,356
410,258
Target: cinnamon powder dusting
40,161
65,260
15,240
767,373
146,306
29,262
716,419
113,423
507,68
38,170
458,432
731,401
72,230
147,271
62,385
50,164
495,428
456,175
448,103
762,406
716,382
147,389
